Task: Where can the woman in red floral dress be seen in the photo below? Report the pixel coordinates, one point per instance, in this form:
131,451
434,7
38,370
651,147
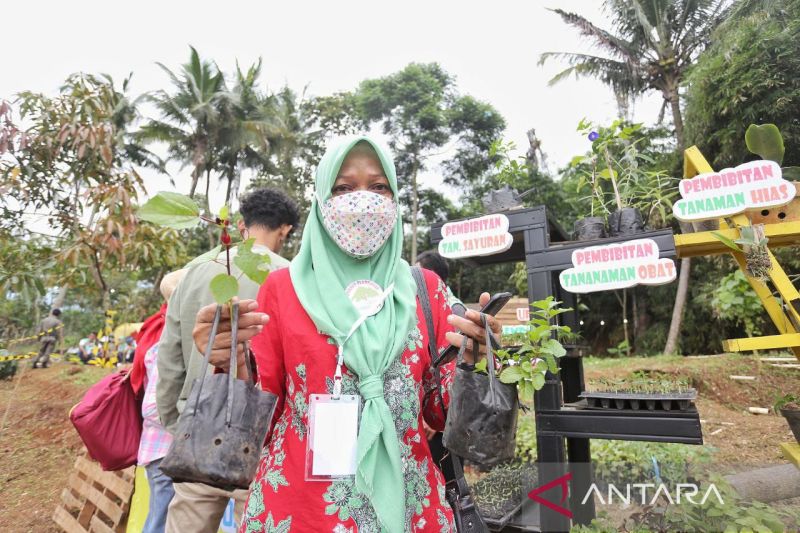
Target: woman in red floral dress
318,322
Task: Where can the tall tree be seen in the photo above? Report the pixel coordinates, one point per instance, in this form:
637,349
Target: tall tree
243,131
650,47
423,115
190,115
73,165
747,76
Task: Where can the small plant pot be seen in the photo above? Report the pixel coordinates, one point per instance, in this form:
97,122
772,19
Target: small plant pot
626,221
792,417
589,228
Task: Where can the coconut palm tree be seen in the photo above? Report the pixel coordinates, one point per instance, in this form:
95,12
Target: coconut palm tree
190,115
244,131
650,46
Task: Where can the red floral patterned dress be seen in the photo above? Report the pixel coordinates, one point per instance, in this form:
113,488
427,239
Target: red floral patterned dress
294,361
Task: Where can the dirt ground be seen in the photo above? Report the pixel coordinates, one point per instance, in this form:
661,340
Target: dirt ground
38,444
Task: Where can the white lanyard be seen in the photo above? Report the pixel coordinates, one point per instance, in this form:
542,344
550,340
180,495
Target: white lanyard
337,376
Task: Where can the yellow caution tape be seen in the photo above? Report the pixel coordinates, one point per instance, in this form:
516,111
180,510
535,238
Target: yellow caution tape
34,337
17,357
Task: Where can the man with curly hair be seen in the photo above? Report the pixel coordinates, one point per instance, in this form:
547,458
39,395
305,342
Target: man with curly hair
268,217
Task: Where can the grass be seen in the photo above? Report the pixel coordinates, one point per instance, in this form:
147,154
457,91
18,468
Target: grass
82,375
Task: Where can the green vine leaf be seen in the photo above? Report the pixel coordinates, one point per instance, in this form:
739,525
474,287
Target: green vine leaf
766,141
253,265
223,288
170,209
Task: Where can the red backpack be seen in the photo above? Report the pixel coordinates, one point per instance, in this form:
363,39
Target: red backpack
109,421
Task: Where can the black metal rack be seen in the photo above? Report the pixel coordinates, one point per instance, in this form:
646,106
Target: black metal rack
563,427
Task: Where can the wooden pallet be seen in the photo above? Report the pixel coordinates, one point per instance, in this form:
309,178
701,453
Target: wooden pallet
95,500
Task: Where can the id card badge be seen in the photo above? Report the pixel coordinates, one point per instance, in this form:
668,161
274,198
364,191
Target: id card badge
332,436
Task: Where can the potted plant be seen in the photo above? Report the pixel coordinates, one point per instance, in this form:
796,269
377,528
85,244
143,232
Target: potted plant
482,420
210,451
788,405
621,186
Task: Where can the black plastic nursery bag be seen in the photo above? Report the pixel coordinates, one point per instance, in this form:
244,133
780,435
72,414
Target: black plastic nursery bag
482,418
223,426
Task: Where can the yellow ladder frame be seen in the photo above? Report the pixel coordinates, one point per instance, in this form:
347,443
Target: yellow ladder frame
783,310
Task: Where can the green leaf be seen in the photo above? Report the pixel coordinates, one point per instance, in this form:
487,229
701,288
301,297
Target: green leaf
538,381
552,365
525,391
206,257
605,174
170,209
765,140
223,288
511,374
480,366
554,348
726,241
791,173
254,265
224,212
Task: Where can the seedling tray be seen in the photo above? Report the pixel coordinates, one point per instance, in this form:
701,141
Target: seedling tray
500,512
668,401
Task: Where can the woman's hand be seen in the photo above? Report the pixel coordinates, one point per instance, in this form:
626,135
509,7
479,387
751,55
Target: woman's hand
251,323
471,326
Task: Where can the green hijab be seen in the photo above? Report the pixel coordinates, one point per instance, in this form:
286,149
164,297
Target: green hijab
320,272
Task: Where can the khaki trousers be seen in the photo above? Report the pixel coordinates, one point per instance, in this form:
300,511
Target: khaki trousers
198,508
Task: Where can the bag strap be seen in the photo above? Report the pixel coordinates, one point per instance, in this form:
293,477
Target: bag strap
206,359
233,361
422,292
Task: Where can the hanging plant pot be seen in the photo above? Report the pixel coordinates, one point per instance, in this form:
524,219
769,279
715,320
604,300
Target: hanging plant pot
626,221
588,229
792,416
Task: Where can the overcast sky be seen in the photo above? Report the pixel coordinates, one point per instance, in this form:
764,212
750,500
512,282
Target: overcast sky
492,48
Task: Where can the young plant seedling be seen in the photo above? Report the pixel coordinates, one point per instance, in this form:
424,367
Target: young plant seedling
177,211
539,351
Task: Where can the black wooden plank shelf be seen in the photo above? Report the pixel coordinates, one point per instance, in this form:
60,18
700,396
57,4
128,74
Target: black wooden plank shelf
563,428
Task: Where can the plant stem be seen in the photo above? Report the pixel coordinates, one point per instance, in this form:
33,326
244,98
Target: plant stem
613,179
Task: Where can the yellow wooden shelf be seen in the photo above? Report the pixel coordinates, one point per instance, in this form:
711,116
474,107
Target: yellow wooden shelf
791,450
705,243
767,342
782,299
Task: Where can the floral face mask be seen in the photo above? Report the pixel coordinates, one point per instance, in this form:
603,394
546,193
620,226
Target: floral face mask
359,222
